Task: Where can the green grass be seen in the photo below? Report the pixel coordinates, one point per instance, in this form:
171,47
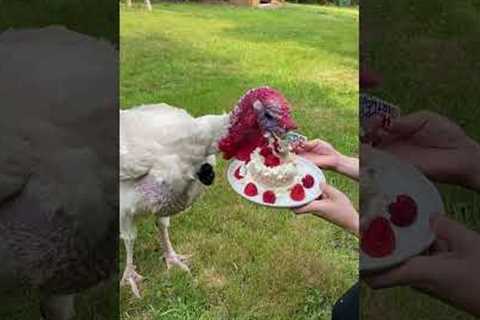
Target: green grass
427,53
248,262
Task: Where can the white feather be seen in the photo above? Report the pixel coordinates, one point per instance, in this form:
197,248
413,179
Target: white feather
168,145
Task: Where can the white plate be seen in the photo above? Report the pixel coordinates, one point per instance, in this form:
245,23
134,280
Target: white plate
402,178
283,200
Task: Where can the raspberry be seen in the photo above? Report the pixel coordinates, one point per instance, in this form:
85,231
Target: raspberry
403,211
269,197
266,151
272,161
378,240
251,190
297,193
308,181
237,174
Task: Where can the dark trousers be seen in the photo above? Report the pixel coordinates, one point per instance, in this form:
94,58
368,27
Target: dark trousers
347,307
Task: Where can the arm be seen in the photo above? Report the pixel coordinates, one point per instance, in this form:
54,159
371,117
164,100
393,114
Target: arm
335,207
349,167
325,156
435,145
473,175
447,272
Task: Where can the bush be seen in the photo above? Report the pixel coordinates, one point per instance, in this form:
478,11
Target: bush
325,2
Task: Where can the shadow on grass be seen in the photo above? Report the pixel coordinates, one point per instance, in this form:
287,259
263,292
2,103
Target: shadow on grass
335,34
172,72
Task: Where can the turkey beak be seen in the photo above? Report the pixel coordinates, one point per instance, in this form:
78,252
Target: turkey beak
289,125
206,175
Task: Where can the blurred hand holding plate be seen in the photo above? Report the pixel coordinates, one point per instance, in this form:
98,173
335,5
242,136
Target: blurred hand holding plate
397,204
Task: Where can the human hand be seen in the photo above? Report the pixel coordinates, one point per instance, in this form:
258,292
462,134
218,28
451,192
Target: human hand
325,156
335,207
369,79
449,273
435,145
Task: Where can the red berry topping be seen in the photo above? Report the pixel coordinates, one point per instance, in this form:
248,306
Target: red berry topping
403,211
272,161
269,197
297,193
251,190
378,240
266,151
308,181
237,174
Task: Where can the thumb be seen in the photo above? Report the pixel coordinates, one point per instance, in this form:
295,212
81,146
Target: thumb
329,191
319,160
456,235
369,80
417,272
313,206
408,124
308,145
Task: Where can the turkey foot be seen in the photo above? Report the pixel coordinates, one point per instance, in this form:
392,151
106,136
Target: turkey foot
131,277
173,259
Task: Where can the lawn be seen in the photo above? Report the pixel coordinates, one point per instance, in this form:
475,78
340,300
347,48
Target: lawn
248,262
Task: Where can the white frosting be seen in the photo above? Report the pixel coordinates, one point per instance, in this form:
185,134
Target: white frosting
374,200
282,176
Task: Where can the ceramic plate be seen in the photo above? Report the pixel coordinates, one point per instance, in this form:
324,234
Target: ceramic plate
397,178
283,199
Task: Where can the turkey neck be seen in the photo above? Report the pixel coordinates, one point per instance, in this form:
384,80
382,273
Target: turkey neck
214,127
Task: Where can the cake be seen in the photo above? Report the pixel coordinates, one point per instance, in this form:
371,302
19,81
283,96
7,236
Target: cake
269,172
377,235
273,172
381,215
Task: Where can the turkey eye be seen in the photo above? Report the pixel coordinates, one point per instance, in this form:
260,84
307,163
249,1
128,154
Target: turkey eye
268,116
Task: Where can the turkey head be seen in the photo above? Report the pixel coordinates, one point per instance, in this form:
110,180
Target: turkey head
261,113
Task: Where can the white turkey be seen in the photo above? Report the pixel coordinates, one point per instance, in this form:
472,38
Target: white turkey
167,159
147,3
58,165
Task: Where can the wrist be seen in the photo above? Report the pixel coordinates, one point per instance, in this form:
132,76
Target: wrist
473,174
348,166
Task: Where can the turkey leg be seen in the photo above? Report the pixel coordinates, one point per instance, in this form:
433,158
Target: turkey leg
128,234
149,5
170,256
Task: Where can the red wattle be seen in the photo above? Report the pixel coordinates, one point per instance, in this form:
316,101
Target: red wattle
245,134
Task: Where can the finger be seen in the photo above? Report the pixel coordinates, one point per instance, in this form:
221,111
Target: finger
317,145
439,246
369,80
309,145
453,234
418,271
312,207
308,208
409,124
324,162
375,130
330,192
